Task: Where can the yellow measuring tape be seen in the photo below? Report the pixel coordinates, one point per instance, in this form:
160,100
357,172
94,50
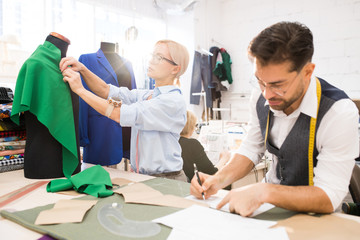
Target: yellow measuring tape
311,134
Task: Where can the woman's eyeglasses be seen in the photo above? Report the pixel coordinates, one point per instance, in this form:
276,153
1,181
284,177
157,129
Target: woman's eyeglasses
156,59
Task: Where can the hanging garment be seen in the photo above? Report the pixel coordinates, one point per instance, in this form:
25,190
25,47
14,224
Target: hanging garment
201,78
223,69
51,144
215,82
101,137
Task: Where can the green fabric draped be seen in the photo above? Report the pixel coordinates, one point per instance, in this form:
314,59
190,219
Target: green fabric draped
41,90
93,181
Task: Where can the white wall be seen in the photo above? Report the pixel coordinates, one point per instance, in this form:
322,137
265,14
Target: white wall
180,28
233,23
86,23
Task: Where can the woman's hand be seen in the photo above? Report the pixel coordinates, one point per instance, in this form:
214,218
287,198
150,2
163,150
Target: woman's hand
72,63
95,84
74,80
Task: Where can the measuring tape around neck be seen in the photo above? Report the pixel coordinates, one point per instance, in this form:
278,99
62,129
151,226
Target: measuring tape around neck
311,134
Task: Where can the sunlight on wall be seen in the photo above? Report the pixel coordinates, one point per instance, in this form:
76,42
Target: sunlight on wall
85,23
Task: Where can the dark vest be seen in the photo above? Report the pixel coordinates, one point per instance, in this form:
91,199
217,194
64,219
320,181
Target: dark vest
292,168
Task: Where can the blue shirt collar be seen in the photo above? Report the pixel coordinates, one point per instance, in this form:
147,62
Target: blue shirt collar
165,89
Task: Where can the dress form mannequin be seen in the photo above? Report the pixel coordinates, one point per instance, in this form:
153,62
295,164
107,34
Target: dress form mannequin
108,47
108,144
44,157
59,41
123,77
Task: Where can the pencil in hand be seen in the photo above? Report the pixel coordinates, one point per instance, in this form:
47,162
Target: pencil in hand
198,178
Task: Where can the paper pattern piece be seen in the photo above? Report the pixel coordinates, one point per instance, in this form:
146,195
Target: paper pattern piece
303,226
121,181
206,222
65,211
143,194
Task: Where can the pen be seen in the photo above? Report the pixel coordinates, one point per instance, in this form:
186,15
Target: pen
198,178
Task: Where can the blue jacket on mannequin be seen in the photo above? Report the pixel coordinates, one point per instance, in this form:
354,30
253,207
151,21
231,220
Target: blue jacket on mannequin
101,137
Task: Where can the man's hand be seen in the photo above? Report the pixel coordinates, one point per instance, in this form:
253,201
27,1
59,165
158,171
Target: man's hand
210,185
244,200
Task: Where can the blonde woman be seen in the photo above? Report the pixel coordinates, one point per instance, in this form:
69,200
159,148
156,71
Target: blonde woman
193,151
156,117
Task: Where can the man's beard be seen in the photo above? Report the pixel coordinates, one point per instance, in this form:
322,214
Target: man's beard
285,104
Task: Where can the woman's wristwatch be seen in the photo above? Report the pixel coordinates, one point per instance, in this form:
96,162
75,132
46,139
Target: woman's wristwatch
111,105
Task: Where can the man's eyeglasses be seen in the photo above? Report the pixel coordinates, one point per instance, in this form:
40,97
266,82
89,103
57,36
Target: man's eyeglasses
275,89
156,59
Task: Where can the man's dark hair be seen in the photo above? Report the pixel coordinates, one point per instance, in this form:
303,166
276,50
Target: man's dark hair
283,41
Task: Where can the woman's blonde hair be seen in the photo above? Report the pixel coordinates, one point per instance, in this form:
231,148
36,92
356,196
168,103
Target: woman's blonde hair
190,123
179,54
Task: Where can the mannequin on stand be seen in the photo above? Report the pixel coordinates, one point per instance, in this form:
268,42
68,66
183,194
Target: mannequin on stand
117,63
59,41
124,79
43,152
102,145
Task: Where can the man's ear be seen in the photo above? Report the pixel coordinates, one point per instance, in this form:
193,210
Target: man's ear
309,69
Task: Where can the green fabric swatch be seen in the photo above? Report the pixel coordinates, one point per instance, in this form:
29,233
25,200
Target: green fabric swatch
94,181
41,90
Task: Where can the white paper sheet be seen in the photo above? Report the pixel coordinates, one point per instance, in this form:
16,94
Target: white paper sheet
268,234
210,222
213,201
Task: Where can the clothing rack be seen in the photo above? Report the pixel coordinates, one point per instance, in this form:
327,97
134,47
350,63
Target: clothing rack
217,43
203,51
203,94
